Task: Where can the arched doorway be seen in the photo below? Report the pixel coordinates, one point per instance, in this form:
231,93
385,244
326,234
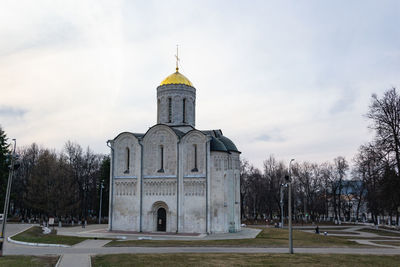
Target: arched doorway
161,220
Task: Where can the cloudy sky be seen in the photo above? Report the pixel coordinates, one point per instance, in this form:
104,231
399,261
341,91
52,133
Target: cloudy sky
289,78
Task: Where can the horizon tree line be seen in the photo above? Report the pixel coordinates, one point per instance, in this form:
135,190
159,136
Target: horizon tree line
64,185
333,190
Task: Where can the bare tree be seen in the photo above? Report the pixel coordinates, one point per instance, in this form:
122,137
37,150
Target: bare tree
309,176
385,115
244,187
370,164
326,182
274,173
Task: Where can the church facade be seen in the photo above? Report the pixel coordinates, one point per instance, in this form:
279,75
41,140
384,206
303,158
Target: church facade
174,178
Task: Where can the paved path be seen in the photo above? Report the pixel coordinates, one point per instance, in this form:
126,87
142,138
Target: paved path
100,231
81,259
76,260
24,250
350,232
372,243
79,255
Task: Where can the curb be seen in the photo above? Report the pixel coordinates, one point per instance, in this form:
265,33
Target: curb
36,244
9,239
59,261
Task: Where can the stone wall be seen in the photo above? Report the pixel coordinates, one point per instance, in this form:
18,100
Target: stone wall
193,182
157,137
225,192
126,193
177,92
180,188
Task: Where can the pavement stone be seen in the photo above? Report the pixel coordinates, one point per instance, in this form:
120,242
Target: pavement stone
81,260
92,243
100,231
75,260
79,255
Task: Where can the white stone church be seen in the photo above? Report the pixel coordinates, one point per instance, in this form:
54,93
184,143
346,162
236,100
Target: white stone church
174,178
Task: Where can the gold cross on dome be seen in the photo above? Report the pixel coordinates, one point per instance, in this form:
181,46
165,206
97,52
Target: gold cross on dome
177,58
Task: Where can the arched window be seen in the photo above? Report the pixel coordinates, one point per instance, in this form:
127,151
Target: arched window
184,110
195,158
161,159
127,159
169,109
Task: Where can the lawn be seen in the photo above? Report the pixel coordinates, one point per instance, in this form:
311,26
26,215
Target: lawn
35,235
379,232
269,237
241,259
24,261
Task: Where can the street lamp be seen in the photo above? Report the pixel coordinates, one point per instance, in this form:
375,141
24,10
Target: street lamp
281,202
289,181
101,198
12,167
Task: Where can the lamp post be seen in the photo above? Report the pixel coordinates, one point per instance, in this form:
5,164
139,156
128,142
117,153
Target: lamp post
7,200
101,198
281,202
290,209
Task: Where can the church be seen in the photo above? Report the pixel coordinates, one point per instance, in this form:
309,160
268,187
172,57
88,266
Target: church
174,178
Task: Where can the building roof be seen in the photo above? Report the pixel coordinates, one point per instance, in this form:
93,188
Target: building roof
230,146
176,78
220,139
216,145
180,134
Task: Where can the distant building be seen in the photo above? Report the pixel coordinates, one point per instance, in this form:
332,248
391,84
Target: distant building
174,177
349,194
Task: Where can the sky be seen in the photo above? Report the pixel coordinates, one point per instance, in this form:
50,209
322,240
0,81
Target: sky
292,79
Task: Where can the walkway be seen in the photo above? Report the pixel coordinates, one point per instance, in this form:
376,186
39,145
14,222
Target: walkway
79,255
13,249
354,234
79,259
100,231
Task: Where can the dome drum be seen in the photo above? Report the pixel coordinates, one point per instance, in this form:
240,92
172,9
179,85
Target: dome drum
175,87
176,101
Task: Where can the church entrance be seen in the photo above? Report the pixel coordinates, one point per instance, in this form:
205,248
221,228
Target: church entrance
161,220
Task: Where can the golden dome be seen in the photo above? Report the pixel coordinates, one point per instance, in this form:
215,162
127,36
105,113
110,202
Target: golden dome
176,78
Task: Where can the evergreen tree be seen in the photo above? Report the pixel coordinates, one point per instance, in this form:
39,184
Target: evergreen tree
105,178
4,162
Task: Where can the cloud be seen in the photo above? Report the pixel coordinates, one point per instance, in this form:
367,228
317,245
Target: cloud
272,136
277,78
7,111
344,102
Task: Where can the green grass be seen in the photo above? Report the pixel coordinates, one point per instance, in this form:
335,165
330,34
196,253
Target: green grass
35,235
379,232
24,261
269,237
240,259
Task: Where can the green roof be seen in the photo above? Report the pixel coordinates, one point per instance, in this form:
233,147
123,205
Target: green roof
230,146
216,145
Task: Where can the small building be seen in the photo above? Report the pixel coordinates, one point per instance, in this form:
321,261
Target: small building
173,177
